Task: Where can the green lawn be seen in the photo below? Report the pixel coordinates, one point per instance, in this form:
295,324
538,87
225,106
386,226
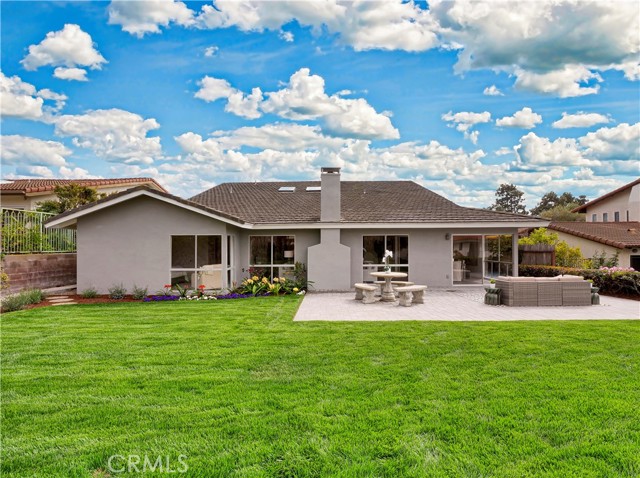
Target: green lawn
241,390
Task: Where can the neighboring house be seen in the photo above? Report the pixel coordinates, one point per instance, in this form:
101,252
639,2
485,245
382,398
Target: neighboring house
27,193
339,230
597,237
621,205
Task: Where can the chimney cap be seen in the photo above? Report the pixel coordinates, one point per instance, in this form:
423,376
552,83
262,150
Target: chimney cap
328,170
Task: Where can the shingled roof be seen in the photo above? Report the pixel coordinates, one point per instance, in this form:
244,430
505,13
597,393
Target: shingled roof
361,202
616,234
30,186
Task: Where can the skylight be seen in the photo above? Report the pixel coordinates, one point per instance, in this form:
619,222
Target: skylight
287,189
313,188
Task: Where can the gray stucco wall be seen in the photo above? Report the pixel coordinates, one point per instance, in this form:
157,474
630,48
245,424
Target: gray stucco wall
430,254
330,262
131,243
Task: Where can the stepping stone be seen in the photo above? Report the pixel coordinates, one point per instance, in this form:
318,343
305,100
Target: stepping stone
61,300
64,303
57,297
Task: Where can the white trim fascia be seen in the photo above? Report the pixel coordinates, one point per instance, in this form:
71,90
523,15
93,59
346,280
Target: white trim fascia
402,225
72,218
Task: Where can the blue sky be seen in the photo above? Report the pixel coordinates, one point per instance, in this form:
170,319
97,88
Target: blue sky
459,97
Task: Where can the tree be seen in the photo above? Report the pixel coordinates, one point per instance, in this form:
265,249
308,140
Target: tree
69,197
509,199
552,200
563,213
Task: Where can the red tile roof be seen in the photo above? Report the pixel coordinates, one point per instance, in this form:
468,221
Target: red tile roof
26,186
584,207
616,234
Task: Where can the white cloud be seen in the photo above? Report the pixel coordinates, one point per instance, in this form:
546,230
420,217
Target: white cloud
24,150
69,48
212,89
23,171
492,91
389,25
570,81
621,142
77,74
464,121
553,46
525,118
580,120
537,151
304,98
75,173
210,51
286,36
142,17
21,100
115,135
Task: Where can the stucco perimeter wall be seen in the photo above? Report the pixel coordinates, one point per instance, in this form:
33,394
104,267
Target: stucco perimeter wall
430,252
39,271
130,243
589,248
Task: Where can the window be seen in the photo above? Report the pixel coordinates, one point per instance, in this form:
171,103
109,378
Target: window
478,258
616,216
373,248
594,218
196,260
498,256
605,216
272,256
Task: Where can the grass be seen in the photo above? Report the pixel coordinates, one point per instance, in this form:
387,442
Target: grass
243,391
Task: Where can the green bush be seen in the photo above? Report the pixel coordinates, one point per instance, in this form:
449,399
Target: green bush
33,296
139,293
626,283
89,293
13,302
117,291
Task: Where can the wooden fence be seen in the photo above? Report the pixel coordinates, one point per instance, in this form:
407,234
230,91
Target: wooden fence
537,255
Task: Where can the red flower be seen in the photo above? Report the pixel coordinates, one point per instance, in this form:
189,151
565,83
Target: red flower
201,286
167,286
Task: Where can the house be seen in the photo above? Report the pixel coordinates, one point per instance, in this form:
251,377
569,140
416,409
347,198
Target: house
27,193
338,229
610,238
620,205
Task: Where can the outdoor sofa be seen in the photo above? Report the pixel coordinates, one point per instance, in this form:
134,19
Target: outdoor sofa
544,291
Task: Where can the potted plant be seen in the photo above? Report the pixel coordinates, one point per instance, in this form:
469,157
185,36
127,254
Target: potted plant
492,283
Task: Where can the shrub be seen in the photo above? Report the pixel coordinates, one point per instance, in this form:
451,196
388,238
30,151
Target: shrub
89,293
33,296
117,291
13,302
138,293
612,281
566,256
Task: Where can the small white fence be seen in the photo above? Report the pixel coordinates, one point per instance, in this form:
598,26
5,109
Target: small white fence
23,232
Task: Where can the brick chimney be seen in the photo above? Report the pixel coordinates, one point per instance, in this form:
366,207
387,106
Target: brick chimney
330,195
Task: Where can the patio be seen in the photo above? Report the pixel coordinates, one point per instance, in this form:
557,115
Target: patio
461,304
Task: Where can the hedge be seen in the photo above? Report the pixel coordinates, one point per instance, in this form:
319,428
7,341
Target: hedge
622,283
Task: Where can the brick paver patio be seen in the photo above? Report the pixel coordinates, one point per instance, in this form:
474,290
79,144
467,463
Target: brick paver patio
461,304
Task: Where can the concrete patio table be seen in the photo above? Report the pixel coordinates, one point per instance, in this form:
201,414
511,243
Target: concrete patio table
387,290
